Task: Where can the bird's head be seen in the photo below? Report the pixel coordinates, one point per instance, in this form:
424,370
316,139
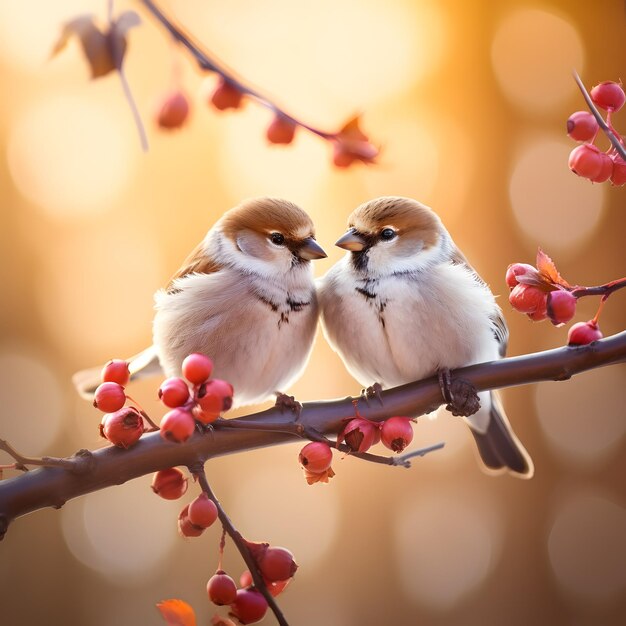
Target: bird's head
392,235
270,236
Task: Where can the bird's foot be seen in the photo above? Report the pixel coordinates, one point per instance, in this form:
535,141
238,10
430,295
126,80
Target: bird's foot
460,395
373,391
285,402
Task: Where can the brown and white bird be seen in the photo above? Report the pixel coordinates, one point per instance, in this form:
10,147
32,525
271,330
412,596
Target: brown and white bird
245,297
404,304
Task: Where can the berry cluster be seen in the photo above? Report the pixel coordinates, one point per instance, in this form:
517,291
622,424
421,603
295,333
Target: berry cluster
359,435
587,160
121,425
207,399
542,293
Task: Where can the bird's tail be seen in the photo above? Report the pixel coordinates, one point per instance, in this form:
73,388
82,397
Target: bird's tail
142,365
499,448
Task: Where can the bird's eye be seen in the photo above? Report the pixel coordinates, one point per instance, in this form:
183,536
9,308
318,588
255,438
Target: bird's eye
277,239
386,234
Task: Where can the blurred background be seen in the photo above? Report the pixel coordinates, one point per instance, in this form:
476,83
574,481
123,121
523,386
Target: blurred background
469,103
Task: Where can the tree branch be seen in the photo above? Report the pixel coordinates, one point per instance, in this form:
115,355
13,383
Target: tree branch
53,486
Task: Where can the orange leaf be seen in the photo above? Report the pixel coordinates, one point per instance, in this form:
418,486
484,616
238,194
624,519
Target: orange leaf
319,477
352,144
177,613
548,270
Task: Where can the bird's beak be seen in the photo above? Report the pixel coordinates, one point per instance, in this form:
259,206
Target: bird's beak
311,250
351,241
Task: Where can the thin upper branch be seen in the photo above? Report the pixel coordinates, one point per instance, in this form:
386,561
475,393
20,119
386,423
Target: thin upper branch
52,486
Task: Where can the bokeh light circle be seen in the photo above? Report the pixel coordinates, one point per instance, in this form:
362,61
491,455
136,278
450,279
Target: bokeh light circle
32,401
579,428
533,54
455,542
125,533
555,209
264,503
586,547
71,155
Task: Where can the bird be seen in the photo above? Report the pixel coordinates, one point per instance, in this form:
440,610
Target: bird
404,304
245,296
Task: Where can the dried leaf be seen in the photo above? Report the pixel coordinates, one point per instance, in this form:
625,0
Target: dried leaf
177,612
104,50
352,144
319,477
547,269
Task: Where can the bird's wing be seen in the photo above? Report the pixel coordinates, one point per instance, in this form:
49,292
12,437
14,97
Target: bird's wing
198,262
499,326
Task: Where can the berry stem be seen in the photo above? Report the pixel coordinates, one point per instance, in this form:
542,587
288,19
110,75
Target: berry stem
240,542
603,125
143,414
221,547
601,290
22,461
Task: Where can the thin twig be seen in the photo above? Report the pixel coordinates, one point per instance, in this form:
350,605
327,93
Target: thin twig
601,123
46,461
601,290
241,544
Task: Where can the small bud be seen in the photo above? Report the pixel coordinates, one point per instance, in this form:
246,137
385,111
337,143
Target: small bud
109,397
560,306
249,606
197,368
583,333
518,269
122,428
397,433
170,483
608,95
174,392
116,371
177,425
221,588
173,110
316,456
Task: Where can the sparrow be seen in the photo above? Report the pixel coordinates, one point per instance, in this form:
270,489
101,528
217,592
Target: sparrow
404,304
245,297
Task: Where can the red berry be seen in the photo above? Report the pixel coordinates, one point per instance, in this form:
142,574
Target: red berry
281,130
203,512
245,580
185,527
213,398
221,588
173,110
316,456
539,315
618,176
582,333
122,428
608,96
527,299
277,564
109,397
174,392
360,434
177,425
606,169
582,126
585,161
197,368
397,433
116,371
170,483
560,306
278,587
249,606
342,157
517,269
226,96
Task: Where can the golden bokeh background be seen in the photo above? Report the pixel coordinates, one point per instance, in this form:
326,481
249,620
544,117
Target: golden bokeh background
469,101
